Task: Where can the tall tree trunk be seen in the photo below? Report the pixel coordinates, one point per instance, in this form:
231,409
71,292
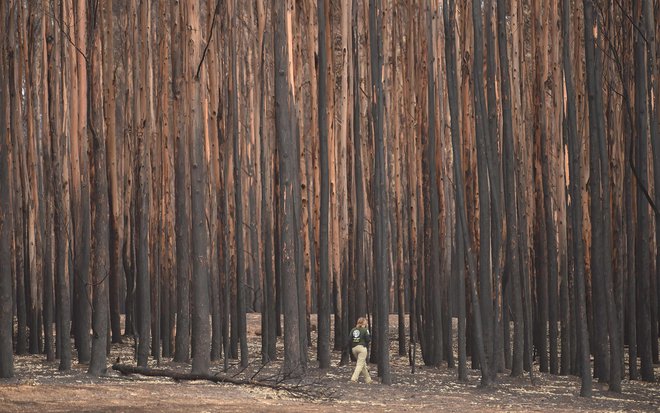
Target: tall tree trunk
82,214
324,263
201,339
182,192
241,297
432,214
6,306
574,150
293,366
109,96
642,265
482,137
513,259
143,126
379,187
101,236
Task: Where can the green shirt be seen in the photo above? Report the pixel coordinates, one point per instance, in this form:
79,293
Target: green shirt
360,336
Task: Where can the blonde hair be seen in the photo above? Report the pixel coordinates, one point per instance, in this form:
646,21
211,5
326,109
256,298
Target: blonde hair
362,322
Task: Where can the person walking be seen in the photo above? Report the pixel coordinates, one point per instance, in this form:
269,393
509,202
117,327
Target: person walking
360,338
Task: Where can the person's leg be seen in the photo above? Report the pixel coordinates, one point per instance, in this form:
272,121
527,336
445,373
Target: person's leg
361,366
365,367
358,368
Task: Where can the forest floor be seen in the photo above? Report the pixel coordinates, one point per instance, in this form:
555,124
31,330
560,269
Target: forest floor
39,387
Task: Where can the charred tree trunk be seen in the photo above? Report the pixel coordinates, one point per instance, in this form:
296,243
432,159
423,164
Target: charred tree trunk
6,300
513,259
101,236
574,151
143,201
293,357
324,258
241,296
642,265
380,200
201,337
182,194
432,214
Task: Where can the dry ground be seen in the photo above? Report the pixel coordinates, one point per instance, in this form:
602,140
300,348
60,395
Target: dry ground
40,387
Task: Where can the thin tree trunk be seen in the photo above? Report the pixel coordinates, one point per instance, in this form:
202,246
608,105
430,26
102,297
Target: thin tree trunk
574,151
143,201
182,193
240,255
642,265
433,213
101,236
509,190
6,301
379,188
324,258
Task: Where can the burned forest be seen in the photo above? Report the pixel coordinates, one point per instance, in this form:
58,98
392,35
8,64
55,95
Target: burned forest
479,179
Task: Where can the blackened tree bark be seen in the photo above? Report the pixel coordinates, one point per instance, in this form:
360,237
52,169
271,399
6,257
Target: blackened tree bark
431,193
448,11
360,268
324,261
604,219
269,339
62,217
642,264
576,204
509,191
182,194
293,365
109,96
380,199
482,137
496,194
6,300
82,217
143,201
238,199
600,338
201,337
654,130
100,233
551,247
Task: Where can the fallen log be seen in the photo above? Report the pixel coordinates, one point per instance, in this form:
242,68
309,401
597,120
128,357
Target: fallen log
299,390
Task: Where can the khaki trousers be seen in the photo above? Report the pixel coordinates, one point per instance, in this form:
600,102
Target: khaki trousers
360,352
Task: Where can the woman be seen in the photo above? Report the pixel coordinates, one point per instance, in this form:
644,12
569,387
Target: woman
360,338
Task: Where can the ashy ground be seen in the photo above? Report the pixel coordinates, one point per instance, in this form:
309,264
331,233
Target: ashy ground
40,387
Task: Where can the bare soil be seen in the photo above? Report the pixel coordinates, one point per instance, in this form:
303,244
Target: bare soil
40,387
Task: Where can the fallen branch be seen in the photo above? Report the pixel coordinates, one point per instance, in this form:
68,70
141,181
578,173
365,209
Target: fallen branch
298,390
